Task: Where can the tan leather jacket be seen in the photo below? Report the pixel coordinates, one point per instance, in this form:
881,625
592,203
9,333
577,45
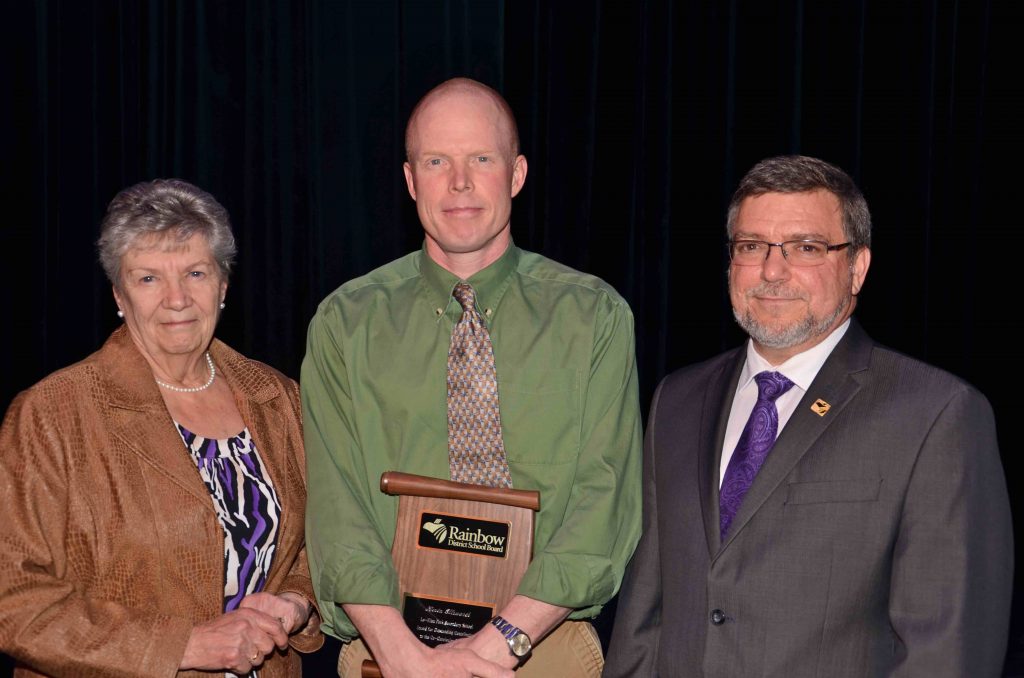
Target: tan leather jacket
110,550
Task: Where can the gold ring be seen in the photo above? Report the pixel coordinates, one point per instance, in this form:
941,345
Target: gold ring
254,657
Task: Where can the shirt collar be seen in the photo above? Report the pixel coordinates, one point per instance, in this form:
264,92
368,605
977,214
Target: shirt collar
489,284
801,369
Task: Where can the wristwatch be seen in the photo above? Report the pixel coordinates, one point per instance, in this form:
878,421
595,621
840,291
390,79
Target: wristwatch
519,644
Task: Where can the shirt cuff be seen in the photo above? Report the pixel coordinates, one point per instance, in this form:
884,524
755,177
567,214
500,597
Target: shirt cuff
582,582
360,581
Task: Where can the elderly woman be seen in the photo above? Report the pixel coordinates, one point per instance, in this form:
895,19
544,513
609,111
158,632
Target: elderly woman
153,494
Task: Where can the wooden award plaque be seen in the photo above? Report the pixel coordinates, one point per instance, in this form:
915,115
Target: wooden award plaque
459,550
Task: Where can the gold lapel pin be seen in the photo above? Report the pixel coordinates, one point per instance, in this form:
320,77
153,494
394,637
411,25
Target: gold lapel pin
820,407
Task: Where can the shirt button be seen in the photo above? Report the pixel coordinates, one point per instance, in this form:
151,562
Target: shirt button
717,617
438,311
488,312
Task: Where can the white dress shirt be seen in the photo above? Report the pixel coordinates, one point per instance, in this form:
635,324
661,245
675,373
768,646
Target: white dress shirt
801,369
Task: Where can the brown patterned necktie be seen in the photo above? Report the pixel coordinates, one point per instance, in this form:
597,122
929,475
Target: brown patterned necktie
476,453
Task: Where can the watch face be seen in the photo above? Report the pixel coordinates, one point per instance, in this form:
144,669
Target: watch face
520,644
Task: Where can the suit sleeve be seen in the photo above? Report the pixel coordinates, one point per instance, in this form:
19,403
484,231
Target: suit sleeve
953,557
46,621
633,650
582,565
349,559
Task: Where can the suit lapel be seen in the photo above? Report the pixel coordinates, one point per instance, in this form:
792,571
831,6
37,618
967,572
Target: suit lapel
139,418
140,421
836,383
718,399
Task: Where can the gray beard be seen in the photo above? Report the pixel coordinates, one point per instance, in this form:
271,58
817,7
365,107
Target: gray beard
806,328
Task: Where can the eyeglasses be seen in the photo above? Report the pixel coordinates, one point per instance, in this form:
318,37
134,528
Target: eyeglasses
796,252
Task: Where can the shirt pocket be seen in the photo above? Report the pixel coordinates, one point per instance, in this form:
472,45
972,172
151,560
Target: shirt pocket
834,491
540,415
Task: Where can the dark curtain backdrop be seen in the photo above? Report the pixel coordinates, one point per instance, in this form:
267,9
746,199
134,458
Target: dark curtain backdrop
637,118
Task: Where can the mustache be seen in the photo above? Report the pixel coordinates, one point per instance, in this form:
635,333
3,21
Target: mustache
775,290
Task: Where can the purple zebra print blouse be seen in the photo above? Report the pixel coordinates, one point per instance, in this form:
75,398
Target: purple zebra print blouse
247,508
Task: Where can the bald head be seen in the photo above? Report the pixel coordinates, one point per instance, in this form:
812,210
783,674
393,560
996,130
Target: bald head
463,87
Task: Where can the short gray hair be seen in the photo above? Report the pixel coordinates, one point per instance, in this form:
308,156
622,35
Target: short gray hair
799,174
167,208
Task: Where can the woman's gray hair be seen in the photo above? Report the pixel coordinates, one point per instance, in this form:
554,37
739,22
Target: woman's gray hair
168,209
801,173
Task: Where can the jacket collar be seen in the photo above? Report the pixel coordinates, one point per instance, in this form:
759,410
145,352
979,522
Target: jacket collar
130,384
141,421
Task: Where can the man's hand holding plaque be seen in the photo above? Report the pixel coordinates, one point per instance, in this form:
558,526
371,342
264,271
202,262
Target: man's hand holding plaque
460,551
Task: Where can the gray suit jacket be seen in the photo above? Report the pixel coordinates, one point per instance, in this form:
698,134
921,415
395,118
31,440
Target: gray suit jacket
874,541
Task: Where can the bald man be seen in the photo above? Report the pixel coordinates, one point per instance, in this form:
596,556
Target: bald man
378,396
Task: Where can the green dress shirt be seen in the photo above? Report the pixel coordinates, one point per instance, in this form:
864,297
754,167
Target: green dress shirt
374,400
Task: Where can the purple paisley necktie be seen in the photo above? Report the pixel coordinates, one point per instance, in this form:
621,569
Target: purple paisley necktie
755,443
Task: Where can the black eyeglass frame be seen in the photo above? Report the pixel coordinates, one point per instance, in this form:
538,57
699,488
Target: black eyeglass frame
782,247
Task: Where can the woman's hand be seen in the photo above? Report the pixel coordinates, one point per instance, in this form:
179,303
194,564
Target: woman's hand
235,641
289,608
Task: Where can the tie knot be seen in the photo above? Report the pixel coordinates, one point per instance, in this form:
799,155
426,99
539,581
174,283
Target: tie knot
770,385
464,294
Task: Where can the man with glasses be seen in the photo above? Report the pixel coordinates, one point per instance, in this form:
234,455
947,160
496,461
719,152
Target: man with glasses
814,504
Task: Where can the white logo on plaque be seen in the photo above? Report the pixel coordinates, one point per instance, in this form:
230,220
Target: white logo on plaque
438,529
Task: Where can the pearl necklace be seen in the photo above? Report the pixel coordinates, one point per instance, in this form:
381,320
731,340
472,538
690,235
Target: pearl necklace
194,389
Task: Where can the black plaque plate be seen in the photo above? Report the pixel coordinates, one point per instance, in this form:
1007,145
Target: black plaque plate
436,621
448,532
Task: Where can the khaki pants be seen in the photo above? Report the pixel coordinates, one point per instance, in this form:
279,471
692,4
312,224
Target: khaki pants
570,651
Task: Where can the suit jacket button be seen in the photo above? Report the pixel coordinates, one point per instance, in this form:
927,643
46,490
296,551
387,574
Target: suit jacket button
717,617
